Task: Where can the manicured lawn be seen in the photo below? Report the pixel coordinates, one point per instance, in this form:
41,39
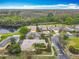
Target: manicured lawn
74,41
4,36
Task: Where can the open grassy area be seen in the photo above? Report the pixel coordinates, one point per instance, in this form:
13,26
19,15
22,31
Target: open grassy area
74,41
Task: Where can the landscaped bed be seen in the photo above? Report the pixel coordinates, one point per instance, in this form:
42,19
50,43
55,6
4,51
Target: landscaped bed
40,46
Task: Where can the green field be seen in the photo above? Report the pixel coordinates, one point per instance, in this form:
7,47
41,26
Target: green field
74,41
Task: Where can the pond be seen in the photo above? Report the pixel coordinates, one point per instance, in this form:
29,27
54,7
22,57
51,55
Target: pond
5,30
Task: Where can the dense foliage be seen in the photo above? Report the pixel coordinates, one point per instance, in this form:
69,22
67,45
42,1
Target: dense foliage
14,48
19,21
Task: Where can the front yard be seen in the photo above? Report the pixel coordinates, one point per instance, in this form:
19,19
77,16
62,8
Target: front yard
73,45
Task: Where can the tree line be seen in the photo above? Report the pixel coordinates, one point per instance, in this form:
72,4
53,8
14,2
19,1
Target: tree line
20,21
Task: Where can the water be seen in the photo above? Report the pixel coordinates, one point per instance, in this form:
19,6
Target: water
5,30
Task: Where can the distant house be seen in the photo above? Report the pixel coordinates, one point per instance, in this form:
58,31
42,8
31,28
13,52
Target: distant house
43,28
77,27
50,28
68,34
46,32
33,28
4,31
69,29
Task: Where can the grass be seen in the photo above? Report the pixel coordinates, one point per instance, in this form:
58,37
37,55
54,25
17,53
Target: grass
74,41
4,36
25,56
43,57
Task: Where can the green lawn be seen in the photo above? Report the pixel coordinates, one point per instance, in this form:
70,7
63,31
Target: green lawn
4,36
74,41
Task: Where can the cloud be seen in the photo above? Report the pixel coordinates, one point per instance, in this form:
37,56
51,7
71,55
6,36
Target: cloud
57,6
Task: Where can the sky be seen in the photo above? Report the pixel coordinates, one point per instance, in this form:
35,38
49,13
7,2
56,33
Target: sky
39,4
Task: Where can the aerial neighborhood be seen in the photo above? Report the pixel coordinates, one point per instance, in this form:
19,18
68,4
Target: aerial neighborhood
45,37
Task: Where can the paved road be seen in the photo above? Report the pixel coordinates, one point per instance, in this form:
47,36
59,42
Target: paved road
7,40
61,55
4,42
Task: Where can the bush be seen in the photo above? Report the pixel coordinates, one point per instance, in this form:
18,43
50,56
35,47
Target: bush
44,37
30,37
73,50
22,37
39,45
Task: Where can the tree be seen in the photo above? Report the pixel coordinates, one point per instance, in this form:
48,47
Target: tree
50,17
42,19
14,49
23,30
33,20
76,21
13,41
69,20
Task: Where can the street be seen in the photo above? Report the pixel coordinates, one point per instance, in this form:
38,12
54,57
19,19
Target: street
59,49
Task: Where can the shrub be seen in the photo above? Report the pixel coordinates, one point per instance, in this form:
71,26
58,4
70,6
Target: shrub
39,45
73,50
22,37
